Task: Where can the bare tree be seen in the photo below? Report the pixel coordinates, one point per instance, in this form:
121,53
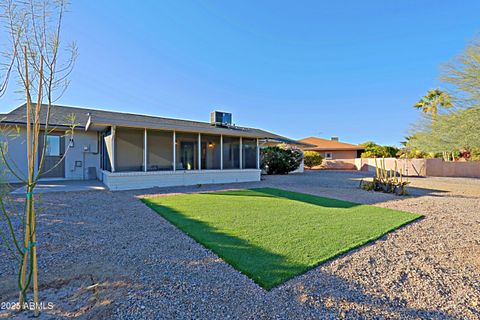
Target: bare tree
35,61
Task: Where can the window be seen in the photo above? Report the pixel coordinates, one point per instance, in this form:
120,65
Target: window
249,153
160,150
231,152
186,146
210,151
129,149
328,155
53,146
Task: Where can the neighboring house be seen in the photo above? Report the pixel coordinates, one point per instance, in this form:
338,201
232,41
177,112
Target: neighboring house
336,154
132,151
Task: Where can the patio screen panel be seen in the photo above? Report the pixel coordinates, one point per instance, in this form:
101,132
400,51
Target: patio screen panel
249,153
159,150
129,149
231,152
210,152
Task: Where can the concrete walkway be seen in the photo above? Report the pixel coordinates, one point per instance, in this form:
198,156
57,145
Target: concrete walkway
65,186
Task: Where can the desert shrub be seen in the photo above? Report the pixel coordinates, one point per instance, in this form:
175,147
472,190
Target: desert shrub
312,159
413,153
280,160
475,154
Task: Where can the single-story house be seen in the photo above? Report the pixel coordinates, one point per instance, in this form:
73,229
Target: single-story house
336,154
133,151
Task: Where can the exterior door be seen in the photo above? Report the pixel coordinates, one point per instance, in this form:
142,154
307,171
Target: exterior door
54,166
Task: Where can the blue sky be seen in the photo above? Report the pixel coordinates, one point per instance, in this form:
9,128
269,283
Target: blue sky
351,69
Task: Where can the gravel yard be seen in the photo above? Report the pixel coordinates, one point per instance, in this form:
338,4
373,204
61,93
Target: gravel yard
106,255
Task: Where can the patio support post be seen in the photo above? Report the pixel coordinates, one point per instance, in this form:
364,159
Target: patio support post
174,151
199,162
258,155
114,154
145,151
221,152
241,155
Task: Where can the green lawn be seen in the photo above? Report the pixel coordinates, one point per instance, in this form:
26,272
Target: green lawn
272,235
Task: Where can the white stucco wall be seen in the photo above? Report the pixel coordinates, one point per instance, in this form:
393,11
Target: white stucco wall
17,153
141,180
16,148
86,150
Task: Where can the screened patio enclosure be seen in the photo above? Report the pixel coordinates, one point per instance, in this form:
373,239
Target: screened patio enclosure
132,151
133,158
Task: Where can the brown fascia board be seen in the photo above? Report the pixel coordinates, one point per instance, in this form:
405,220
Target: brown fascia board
333,149
280,139
307,146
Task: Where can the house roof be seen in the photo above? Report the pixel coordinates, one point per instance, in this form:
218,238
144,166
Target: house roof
97,120
326,144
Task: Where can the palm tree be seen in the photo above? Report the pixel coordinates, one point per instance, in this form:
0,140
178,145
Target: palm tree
434,99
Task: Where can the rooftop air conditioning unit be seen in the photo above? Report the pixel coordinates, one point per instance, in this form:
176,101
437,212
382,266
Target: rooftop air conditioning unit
219,117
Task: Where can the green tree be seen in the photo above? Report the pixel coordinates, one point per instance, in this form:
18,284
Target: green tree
456,132
312,159
373,150
432,101
410,152
452,132
463,74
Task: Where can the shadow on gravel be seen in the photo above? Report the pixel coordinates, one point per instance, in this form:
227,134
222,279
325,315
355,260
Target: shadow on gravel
341,297
421,192
343,184
83,293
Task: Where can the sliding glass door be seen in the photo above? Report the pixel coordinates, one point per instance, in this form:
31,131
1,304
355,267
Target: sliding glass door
186,145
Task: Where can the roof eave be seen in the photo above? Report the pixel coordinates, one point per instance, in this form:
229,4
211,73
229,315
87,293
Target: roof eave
42,125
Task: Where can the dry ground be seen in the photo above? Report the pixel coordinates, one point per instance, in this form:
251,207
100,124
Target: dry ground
106,255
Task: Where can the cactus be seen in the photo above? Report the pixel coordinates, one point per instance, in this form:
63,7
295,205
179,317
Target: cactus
386,180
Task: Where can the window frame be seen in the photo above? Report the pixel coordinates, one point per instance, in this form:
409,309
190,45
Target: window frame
58,146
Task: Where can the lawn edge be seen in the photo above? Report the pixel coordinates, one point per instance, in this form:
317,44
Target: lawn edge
249,276
353,249
344,252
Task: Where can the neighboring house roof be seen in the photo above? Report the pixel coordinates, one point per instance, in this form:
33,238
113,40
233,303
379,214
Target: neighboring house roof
326,144
94,119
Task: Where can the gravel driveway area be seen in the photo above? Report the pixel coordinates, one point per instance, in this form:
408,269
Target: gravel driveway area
106,255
